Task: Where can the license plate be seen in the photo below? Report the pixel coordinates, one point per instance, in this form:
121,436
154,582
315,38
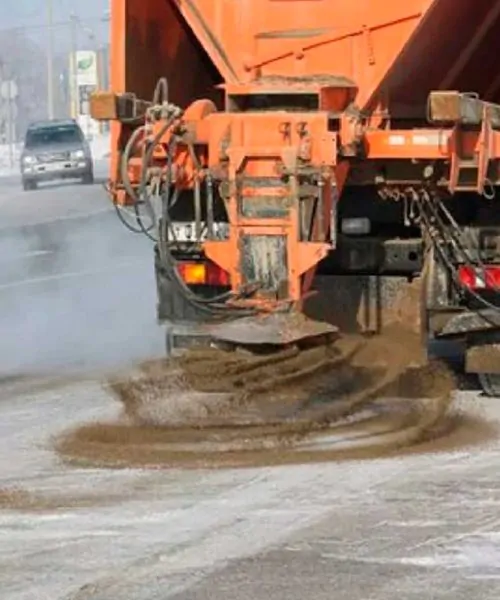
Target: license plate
58,166
186,232
48,158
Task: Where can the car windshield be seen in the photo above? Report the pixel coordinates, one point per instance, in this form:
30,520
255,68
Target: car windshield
45,136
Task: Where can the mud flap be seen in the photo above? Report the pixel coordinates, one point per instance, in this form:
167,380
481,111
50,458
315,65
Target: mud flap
275,329
483,359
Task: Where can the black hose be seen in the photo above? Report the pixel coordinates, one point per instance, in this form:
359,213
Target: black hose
121,217
146,158
125,160
124,221
128,185
142,228
160,93
211,305
450,264
464,251
214,305
169,262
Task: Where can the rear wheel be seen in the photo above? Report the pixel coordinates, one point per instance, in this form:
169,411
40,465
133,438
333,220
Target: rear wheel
490,384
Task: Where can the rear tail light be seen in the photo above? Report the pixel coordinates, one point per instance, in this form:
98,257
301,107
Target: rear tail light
478,278
216,276
192,273
206,273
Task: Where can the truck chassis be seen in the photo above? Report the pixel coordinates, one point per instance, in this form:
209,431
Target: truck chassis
292,181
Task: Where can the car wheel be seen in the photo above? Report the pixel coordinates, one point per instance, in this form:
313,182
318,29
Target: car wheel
88,178
29,185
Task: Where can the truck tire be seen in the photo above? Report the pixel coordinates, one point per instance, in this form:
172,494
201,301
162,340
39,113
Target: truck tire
490,384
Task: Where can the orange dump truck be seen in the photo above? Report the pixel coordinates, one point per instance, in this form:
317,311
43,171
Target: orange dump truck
262,143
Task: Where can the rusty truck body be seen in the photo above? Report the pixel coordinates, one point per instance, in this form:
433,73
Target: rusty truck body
261,143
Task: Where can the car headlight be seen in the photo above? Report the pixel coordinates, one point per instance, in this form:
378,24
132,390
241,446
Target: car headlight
29,160
78,155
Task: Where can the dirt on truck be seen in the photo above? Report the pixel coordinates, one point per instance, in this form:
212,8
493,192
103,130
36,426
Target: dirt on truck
320,189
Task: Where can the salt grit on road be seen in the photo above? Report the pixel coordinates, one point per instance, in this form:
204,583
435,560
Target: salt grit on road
422,525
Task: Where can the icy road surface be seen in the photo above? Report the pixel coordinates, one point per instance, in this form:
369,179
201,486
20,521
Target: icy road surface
423,526
76,292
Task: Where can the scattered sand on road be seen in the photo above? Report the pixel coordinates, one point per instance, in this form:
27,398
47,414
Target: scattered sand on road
23,500
210,408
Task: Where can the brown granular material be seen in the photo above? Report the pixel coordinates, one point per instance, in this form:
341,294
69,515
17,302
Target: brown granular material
214,408
210,407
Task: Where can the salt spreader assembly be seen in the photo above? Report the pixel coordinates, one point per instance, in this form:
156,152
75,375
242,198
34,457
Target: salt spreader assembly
262,143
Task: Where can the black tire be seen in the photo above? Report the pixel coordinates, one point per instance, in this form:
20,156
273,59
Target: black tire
88,178
490,384
29,185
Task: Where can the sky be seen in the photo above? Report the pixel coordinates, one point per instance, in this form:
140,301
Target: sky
32,15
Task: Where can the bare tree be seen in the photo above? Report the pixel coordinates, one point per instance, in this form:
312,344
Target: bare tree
23,61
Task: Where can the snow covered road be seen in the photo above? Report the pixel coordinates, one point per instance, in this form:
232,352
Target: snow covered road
77,298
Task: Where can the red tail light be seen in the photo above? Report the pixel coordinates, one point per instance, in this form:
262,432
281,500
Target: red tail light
216,276
206,273
479,279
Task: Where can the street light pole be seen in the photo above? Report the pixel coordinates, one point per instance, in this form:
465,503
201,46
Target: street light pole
50,59
73,84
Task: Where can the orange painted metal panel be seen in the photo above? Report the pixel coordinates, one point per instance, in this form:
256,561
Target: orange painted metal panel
386,55
149,40
395,52
259,38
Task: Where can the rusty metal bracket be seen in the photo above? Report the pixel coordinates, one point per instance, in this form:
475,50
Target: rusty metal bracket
477,165
461,109
108,106
465,111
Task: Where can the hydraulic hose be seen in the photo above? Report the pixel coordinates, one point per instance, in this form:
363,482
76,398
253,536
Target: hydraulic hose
215,305
146,159
160,93
142,195
462,252
210,305
127,152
